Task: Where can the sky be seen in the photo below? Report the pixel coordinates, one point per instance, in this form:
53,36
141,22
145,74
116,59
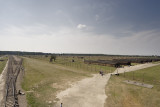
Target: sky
124,27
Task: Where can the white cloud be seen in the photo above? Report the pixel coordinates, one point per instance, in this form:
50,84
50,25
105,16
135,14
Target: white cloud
81,26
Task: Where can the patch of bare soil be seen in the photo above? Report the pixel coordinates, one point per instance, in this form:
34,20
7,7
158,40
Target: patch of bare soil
89,92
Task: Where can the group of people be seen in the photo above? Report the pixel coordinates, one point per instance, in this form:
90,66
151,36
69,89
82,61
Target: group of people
101,72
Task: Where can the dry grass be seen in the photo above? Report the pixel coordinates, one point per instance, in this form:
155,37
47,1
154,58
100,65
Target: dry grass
3,63
124,95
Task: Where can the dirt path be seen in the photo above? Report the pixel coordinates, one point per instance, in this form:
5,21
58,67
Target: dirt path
2,84
134,68
90,92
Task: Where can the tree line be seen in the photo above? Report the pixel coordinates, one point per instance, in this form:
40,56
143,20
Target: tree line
66,54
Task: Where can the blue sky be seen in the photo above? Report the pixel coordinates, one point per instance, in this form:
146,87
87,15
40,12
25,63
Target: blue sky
81,26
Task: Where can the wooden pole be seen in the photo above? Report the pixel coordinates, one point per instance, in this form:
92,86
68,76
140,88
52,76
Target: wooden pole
133,75
143,77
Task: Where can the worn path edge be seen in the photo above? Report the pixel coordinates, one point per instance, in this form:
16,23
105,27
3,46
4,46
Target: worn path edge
2,83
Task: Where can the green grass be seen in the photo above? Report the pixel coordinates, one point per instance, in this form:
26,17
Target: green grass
40,77
79,63
32,101
156,62
124,95
133,64
149,75
3,64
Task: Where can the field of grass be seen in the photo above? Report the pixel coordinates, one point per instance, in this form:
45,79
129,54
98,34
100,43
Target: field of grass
3,63
78,63
121,94
43,80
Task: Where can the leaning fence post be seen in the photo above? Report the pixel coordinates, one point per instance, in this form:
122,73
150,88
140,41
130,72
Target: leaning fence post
133,75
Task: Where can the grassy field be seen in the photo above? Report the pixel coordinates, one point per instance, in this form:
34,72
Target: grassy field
3,63
78,63
43,80
124,95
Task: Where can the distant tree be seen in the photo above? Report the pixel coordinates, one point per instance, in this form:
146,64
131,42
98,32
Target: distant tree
53,57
